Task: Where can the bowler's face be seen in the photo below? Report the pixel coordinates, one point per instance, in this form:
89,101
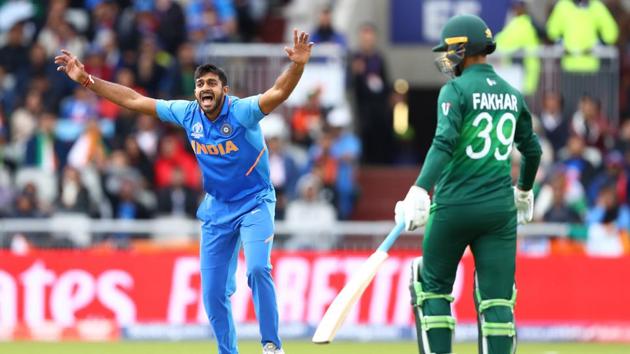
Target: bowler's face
209,92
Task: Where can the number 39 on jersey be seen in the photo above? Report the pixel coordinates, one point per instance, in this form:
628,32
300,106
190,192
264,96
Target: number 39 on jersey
503,131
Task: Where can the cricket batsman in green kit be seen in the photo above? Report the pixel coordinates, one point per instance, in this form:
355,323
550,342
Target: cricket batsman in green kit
475,205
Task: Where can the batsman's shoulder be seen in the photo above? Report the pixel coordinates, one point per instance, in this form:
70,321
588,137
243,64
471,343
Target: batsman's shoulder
450,91
450,88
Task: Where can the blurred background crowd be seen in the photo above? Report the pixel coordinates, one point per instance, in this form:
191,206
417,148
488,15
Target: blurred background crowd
65,150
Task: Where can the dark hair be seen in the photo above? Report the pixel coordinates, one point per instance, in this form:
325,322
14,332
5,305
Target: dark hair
210,68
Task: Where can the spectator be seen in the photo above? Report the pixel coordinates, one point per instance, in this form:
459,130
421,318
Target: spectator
6,189
372,92
80,107
325,33
308,120
555,124
614,174
116,171
24,119
283,166
27,203
346,148
149,72
177,199
147,135
7,91
139,160
172,25
126,206
172,156
182,83
44,150
325,165
104,18
40,67
622,17
590,22
96,65
622,143
62,35
580,160
89,149
211,21
73,196
567,200
561,199
608,223
250,15
310,218
125,121
14,54
125,203
107,41
589,123
520,35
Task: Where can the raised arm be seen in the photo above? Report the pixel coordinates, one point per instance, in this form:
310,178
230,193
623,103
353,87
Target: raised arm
120,95
286,82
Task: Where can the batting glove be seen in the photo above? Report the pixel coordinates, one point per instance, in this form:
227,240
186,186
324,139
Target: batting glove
414,209
524,201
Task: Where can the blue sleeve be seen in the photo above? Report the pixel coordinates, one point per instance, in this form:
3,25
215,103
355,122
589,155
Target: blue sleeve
173,111
247,111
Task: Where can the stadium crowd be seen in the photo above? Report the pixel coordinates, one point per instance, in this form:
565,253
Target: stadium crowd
64,150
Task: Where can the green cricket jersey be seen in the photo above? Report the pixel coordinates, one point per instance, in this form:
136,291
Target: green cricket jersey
480,117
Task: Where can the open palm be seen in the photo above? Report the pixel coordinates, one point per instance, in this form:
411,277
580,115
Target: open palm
301,51
70,65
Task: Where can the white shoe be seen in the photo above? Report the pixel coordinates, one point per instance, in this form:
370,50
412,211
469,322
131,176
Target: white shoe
271,348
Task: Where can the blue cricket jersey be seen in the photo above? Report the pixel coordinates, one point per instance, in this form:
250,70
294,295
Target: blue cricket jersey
231,151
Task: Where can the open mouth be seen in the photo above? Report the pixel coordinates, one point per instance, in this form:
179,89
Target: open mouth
206,98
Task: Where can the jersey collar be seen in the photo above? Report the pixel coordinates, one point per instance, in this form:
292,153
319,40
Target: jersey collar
478,67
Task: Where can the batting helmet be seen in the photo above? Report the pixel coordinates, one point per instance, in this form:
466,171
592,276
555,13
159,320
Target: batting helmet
463,35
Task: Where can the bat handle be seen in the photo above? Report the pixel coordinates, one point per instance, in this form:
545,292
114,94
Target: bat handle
391,238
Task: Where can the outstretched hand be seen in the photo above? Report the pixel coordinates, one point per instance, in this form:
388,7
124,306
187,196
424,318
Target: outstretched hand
69,64
301,51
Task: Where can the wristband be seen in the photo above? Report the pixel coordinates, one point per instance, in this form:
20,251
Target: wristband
89,80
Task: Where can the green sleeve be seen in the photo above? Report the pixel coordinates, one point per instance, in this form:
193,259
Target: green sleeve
449,125
529,147
555,23
606,24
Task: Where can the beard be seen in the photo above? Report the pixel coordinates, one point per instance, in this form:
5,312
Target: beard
212,109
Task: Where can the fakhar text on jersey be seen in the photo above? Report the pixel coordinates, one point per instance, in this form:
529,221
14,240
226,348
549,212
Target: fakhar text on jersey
494,101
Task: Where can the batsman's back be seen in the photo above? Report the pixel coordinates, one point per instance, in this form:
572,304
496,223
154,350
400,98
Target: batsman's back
490,116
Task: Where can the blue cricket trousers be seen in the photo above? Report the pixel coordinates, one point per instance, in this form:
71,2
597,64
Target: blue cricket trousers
225,227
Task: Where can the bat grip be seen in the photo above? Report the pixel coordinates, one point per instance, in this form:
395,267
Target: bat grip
391,238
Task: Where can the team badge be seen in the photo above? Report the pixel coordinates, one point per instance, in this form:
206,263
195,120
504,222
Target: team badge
446,106
226,129
197,130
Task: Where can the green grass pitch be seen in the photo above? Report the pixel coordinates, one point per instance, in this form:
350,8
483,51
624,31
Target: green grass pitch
291,347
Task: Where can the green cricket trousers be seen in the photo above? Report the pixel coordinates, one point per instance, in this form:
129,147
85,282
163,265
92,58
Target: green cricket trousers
490,231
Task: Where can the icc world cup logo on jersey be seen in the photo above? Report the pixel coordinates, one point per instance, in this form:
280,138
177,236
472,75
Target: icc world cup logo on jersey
197,130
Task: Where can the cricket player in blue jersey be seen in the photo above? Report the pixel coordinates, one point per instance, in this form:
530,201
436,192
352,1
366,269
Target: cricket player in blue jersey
238,208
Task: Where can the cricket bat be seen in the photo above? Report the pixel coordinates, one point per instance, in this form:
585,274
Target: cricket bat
352,291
